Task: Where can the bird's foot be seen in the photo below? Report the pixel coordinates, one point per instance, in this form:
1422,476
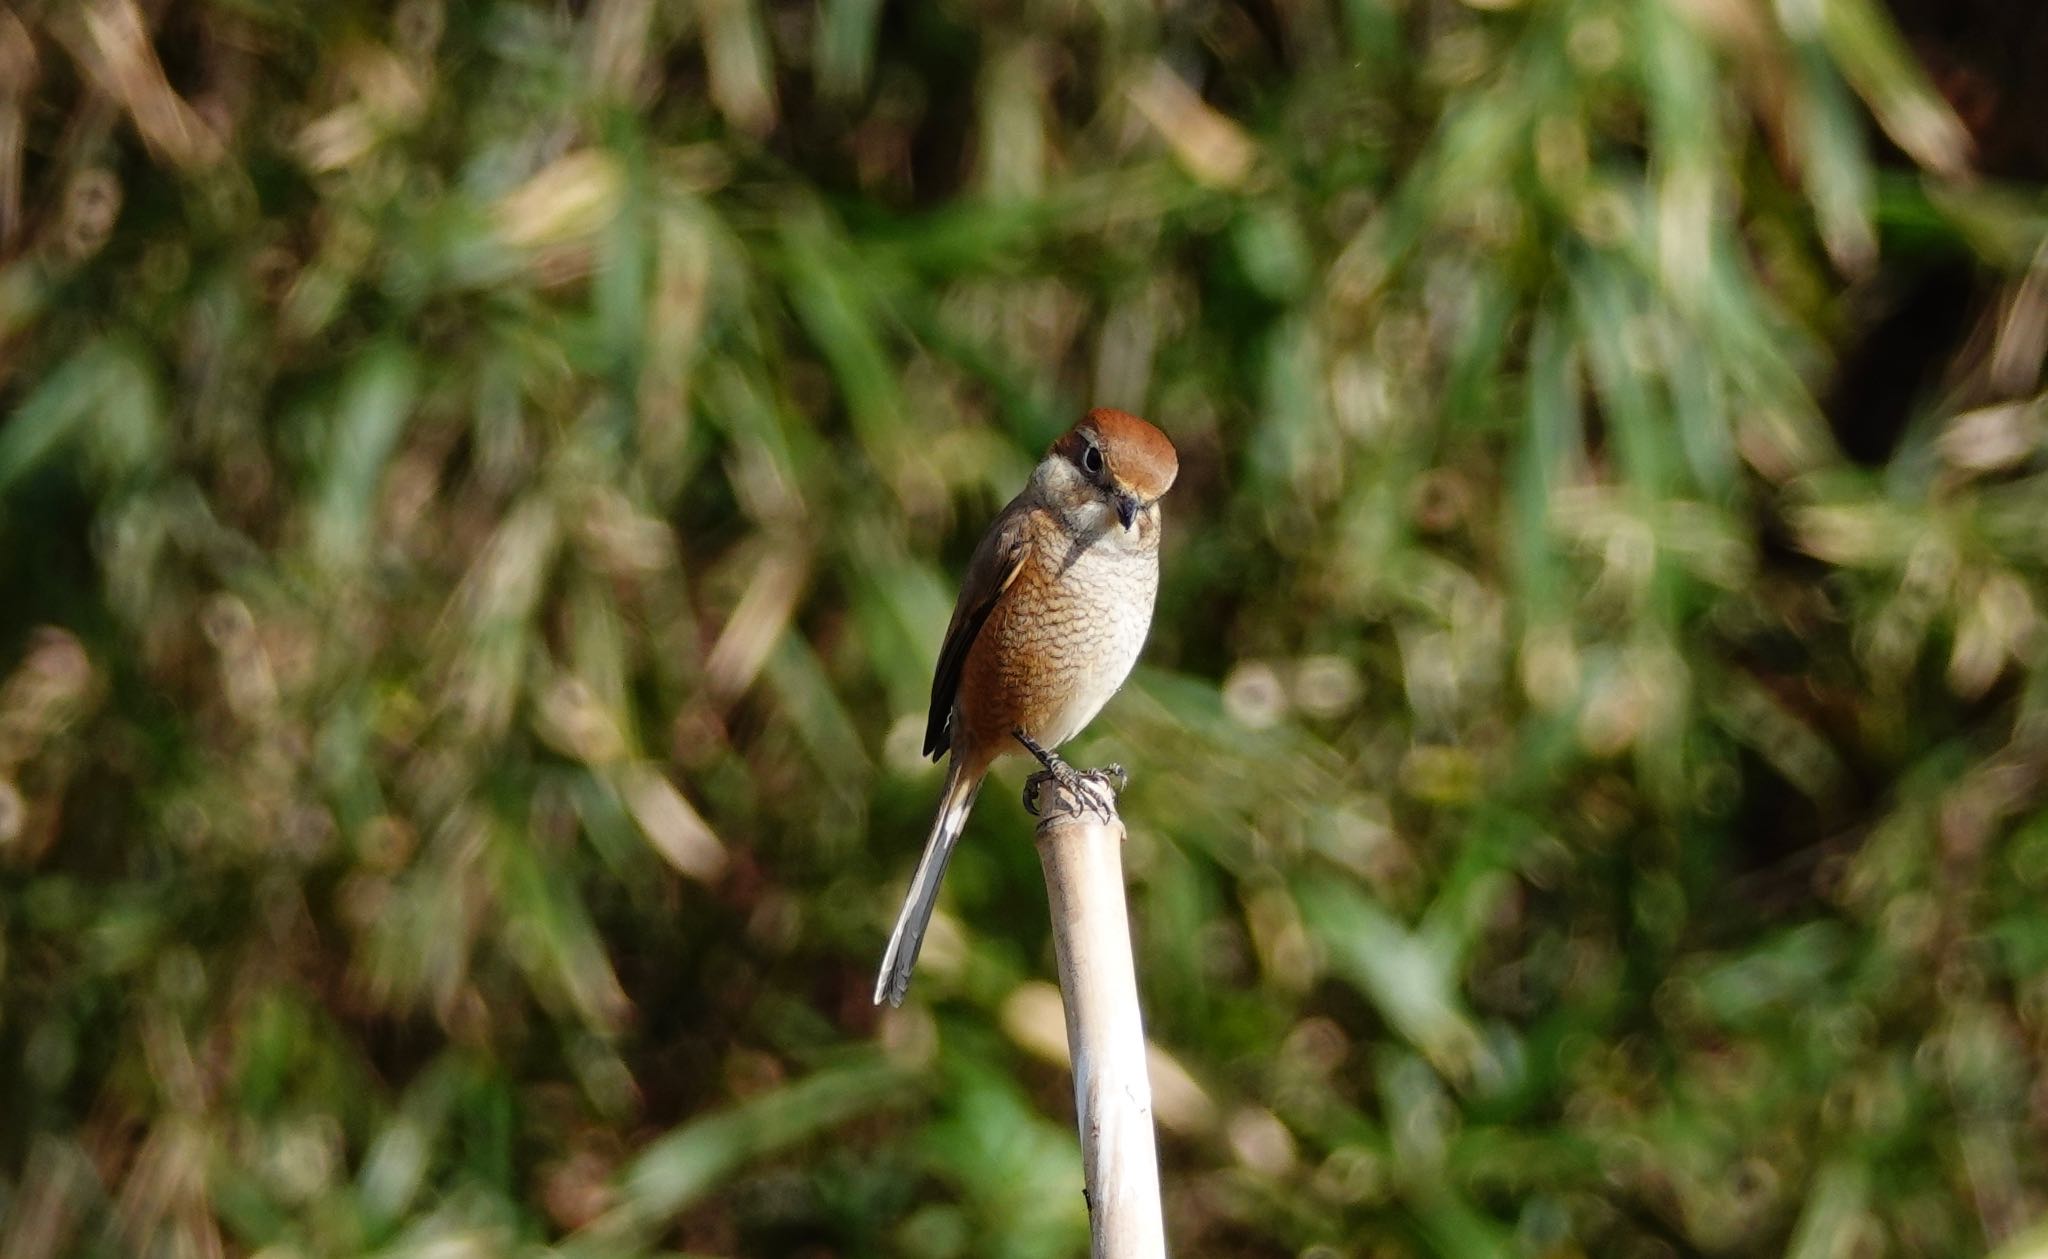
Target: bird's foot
1097,789
1094,789
1111,776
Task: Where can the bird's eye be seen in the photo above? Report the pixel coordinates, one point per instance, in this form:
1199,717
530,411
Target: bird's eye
1091,461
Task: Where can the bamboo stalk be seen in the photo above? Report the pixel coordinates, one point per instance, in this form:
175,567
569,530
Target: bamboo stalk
1082,852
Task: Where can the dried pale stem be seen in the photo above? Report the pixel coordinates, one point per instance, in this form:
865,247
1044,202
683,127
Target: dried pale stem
1082,853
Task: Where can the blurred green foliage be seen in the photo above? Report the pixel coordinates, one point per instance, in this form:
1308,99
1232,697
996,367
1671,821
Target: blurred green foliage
480,490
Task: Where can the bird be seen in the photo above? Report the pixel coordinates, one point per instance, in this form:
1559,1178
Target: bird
1052,614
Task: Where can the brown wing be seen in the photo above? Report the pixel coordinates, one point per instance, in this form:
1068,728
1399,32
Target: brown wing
997,560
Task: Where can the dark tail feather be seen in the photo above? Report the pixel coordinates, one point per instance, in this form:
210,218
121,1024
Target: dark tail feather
908,936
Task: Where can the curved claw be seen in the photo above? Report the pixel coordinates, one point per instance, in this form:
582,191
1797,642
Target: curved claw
1098,796
1032,786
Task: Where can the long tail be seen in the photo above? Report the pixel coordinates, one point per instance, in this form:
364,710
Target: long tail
905,940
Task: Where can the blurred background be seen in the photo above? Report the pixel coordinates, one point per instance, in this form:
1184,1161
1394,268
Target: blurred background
482,485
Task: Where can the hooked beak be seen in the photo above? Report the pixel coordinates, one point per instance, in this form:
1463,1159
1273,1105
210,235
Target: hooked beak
1126,508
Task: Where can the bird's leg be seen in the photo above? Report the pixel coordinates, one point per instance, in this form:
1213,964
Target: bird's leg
1055,768
1098,787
